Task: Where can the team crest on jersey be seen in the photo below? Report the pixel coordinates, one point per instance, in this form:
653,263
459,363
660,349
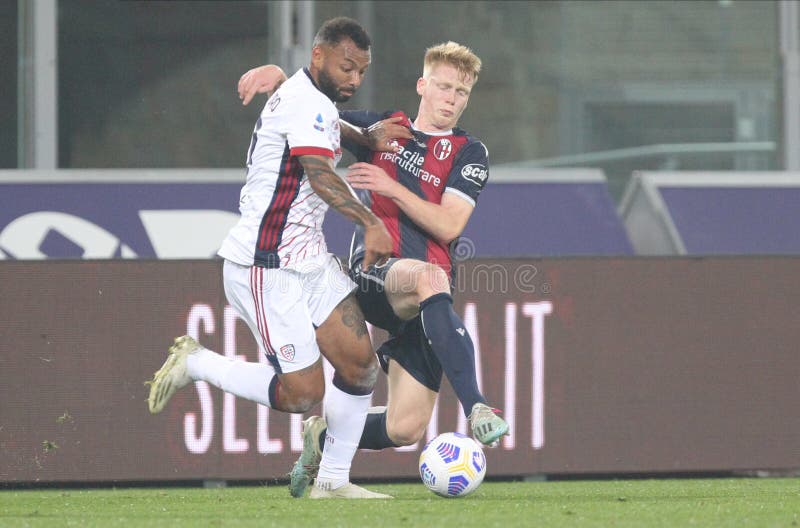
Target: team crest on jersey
319,123
287,351
442,149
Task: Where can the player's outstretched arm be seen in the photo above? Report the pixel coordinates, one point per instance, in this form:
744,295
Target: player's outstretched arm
263,79
339,195
381,136
444,221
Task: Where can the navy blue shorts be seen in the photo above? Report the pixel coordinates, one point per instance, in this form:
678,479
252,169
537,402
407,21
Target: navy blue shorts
407,343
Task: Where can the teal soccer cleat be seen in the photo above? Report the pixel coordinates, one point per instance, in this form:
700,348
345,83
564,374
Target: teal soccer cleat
487,427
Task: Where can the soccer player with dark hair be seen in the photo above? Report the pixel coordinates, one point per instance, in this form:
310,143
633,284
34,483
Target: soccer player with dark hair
278,274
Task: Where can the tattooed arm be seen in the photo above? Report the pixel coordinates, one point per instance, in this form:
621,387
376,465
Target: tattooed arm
381,136
339,195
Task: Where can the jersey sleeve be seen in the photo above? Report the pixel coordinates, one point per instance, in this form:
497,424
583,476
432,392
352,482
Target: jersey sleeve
313,127
469,173
361,118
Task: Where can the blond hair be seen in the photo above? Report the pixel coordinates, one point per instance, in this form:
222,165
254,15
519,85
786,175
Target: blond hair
460,57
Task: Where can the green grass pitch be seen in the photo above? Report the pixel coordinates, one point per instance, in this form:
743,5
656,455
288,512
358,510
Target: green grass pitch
764,502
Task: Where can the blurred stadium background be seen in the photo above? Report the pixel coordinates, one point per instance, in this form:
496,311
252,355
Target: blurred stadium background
617,130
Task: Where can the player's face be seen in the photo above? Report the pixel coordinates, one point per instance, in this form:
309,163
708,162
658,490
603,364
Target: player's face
341,69
444,96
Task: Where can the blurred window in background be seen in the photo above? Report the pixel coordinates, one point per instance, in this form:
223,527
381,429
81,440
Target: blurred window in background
8,85
689,84
616,85
152,84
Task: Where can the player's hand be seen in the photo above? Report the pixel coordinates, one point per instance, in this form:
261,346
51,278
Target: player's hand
264,79
378,245
383,135
372,178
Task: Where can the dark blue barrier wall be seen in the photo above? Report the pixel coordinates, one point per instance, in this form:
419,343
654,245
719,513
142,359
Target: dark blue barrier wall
707,213
186,214
530,219
109,220
736,220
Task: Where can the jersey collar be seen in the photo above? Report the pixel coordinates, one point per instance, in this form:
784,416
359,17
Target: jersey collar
443,133
310,78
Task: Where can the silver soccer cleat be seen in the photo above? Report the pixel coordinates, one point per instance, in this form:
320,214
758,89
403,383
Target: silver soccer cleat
348,491
172,375
306,467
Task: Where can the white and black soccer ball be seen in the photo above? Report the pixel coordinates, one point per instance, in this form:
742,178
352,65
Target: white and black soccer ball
452,465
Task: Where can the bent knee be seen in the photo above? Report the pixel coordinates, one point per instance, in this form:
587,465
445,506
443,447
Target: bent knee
359,378
431,281
406,432
301,399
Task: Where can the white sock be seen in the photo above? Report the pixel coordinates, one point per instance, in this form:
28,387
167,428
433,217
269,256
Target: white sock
346,415
242,378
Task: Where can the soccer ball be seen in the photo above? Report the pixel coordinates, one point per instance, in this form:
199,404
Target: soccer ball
452,465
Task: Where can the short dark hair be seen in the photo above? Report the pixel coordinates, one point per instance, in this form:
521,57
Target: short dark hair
334,30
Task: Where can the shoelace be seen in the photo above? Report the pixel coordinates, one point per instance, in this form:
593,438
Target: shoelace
482,410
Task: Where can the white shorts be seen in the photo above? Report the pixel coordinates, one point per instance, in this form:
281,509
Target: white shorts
283,307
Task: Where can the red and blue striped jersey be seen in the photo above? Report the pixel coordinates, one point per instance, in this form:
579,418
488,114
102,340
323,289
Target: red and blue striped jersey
429,166
281,215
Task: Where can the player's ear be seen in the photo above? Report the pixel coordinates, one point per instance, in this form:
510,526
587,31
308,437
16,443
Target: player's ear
317,57
421,85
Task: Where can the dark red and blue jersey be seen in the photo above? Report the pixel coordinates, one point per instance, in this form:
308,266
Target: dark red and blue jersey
428,165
